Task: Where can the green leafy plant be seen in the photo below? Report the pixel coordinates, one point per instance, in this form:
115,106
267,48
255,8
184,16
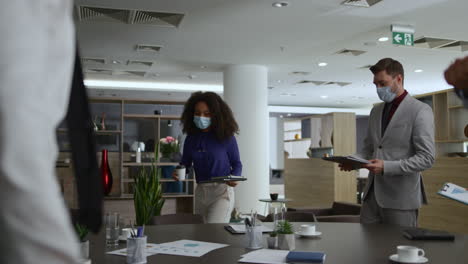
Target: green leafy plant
148,192
285,227
82,232
273,234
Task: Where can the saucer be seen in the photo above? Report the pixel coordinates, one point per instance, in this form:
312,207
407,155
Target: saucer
316,234
394,257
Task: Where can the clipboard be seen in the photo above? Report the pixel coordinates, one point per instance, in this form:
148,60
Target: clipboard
225,179
454,192
353,160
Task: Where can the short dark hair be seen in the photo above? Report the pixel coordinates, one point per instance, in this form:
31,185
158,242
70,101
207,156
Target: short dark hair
223,123
390,66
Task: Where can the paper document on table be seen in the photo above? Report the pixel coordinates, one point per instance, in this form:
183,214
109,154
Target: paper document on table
150,250
241,228
190,248
353,160
265,256
454,192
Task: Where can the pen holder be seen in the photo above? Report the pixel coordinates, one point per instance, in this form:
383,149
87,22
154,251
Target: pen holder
254,237
136,250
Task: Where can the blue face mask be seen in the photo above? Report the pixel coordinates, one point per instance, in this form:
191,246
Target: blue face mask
386,94
202,122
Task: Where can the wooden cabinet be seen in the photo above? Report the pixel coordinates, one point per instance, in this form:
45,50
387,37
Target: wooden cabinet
312,182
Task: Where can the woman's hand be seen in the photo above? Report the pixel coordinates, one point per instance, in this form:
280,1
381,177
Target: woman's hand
231,183
174,176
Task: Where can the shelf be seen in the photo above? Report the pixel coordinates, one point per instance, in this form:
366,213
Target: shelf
98,132
106,132
164,117
293,130
295,140
160,180
322,148
128,196
178,195
135,164
456,107
452,141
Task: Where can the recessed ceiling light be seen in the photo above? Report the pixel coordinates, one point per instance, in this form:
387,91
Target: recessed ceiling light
322,64
383,39
324,96
278,81
281,116
280,4
289,114
418,70
116,62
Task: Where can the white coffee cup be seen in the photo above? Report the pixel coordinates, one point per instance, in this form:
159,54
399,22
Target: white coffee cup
180,172
307,229
409,253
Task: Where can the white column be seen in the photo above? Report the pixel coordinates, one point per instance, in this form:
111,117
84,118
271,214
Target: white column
245,90
276,143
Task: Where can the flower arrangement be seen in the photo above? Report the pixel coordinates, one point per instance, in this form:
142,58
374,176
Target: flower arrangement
168,145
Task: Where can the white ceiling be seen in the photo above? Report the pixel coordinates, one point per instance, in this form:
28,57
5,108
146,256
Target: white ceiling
215,33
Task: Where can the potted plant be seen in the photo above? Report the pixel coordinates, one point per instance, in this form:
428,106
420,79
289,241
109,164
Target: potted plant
148,192
272,240
82,232
286,239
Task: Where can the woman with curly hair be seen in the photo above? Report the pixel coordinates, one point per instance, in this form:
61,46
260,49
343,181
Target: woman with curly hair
211,149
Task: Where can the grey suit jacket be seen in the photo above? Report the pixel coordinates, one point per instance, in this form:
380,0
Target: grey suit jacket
407,148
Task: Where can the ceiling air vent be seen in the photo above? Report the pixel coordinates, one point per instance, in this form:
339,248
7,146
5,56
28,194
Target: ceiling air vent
157,18
365,67
351,52
130,73
140,63
319,83
361,3
153,48
86,60
99,71
338,83
432,43
456,46
314,82
300,73
89,13
128,16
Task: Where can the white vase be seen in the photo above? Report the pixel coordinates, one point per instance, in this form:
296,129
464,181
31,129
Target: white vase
84,250
286,241
272,242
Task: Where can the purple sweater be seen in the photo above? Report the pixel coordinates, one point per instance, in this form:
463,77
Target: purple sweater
210,157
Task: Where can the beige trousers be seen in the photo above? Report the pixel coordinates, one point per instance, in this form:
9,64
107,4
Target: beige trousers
37,50
214,201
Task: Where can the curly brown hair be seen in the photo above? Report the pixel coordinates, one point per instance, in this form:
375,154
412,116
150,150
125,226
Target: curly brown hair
223,123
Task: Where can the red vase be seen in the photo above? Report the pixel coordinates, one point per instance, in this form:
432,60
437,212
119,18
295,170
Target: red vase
106,174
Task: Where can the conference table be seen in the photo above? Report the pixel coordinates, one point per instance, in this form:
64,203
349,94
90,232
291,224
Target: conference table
342,242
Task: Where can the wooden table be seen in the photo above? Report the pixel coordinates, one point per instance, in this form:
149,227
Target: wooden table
342,242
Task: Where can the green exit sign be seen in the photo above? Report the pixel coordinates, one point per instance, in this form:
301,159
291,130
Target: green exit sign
405,39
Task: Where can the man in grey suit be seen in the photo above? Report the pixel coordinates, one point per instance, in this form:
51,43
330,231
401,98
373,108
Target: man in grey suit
399,146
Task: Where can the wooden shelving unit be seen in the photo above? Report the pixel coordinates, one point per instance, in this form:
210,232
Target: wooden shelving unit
450,119
126,116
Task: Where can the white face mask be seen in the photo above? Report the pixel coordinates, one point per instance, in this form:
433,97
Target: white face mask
385,94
